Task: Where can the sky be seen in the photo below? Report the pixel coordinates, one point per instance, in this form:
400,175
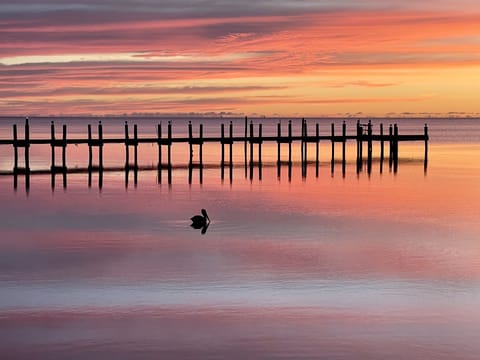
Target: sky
251,57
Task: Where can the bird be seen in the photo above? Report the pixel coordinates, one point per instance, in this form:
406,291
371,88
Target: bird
200,221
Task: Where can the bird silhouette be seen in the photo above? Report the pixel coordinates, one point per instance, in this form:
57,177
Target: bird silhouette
200,221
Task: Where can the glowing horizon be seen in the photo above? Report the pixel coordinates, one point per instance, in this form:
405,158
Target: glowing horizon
308,58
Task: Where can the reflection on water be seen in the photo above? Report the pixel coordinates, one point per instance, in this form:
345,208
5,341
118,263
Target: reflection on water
319,267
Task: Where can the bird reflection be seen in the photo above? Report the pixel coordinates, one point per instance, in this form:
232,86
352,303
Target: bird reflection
201,221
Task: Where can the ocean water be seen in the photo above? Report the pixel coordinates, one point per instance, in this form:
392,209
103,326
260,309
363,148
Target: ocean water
321,266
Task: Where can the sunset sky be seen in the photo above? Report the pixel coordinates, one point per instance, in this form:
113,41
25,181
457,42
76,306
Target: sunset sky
250,57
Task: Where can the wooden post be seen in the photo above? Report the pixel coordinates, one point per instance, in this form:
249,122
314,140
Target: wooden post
64,153
260,141
15,149
359,147
390,146
302,142
222,140
231,151
100,155
169,130
127,151
370,147
317,149
382,148
169,152
201,148
90,153
425,159
370,140
222,134
344,143
279,135
305,152
135,148
251,143
333,146
100,146
245,144
305,142
190,142
52,145
201,153
395,139
290,142
251,150
382,143
260,145
27,149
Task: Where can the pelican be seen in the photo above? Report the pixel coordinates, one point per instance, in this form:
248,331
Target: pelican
199,221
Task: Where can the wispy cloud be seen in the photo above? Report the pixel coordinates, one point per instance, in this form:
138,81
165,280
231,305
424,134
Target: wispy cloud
119,51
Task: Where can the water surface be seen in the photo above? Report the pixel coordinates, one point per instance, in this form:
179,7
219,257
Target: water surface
331,267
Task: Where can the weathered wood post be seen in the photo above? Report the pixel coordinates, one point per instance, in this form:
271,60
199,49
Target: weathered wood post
370,146
127,151
231,150
395,140
159,144
290,142
27,150
251,150
190,142
135,146
344,142
370,140
279,135
201,144
333,147
317,148
64,152
260,141
359,147
304,149
382,148
201,150
425,159
169,155
289,150
15,149
357,138
169,143
390,147
52,145
100,146
100,155
90,151
245,144
222,141
302,143
382,143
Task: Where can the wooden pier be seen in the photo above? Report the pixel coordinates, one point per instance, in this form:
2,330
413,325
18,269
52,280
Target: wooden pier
364,135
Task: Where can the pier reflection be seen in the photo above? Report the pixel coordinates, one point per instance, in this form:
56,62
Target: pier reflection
196,171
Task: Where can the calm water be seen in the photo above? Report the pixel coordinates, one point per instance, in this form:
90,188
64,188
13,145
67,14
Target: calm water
328,267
